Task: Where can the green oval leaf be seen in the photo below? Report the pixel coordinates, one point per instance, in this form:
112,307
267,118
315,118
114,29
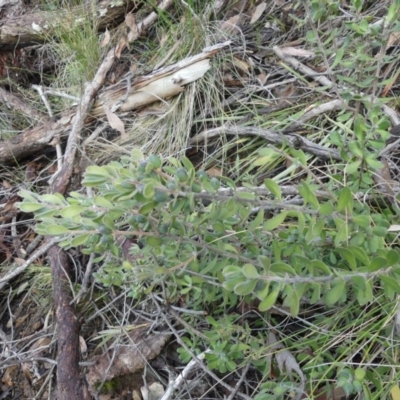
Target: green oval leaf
148,190
102,202
250,271
345,200
30,207
245,288
270,300
153,241
96,170
275,222
334,295
56,230
282,268
80,239
71,211
147,208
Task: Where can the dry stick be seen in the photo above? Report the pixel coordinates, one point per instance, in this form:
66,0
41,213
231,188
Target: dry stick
42,250
270,136
182,377
298,66
86,278
42,95
240,381
321,109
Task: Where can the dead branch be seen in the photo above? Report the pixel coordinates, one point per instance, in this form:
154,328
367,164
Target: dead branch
270,136
29,29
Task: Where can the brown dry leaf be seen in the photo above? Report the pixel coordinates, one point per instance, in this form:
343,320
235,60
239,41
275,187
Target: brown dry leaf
257,12
133,68
120,46
393,39
19,261
30,172
105,397
10,206
128,358
213,172
26,370
153,392
6,184
242,65
41,346
115,121
166,86
232,24
130,22
18,322
158,109
65,119
136,395
262,78
384,180
10,375
106,38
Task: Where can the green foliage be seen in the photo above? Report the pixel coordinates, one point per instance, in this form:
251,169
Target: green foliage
193,242
214,252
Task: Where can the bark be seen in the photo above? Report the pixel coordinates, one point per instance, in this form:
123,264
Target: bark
69,380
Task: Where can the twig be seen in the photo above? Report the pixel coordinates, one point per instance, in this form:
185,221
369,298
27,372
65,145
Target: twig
182,310
86,278
43,249
298,66
61,94
240,381
321,109
182,377
32,246
42,95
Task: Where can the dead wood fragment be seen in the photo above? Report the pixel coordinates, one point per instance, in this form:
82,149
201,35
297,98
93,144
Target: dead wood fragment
30,29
